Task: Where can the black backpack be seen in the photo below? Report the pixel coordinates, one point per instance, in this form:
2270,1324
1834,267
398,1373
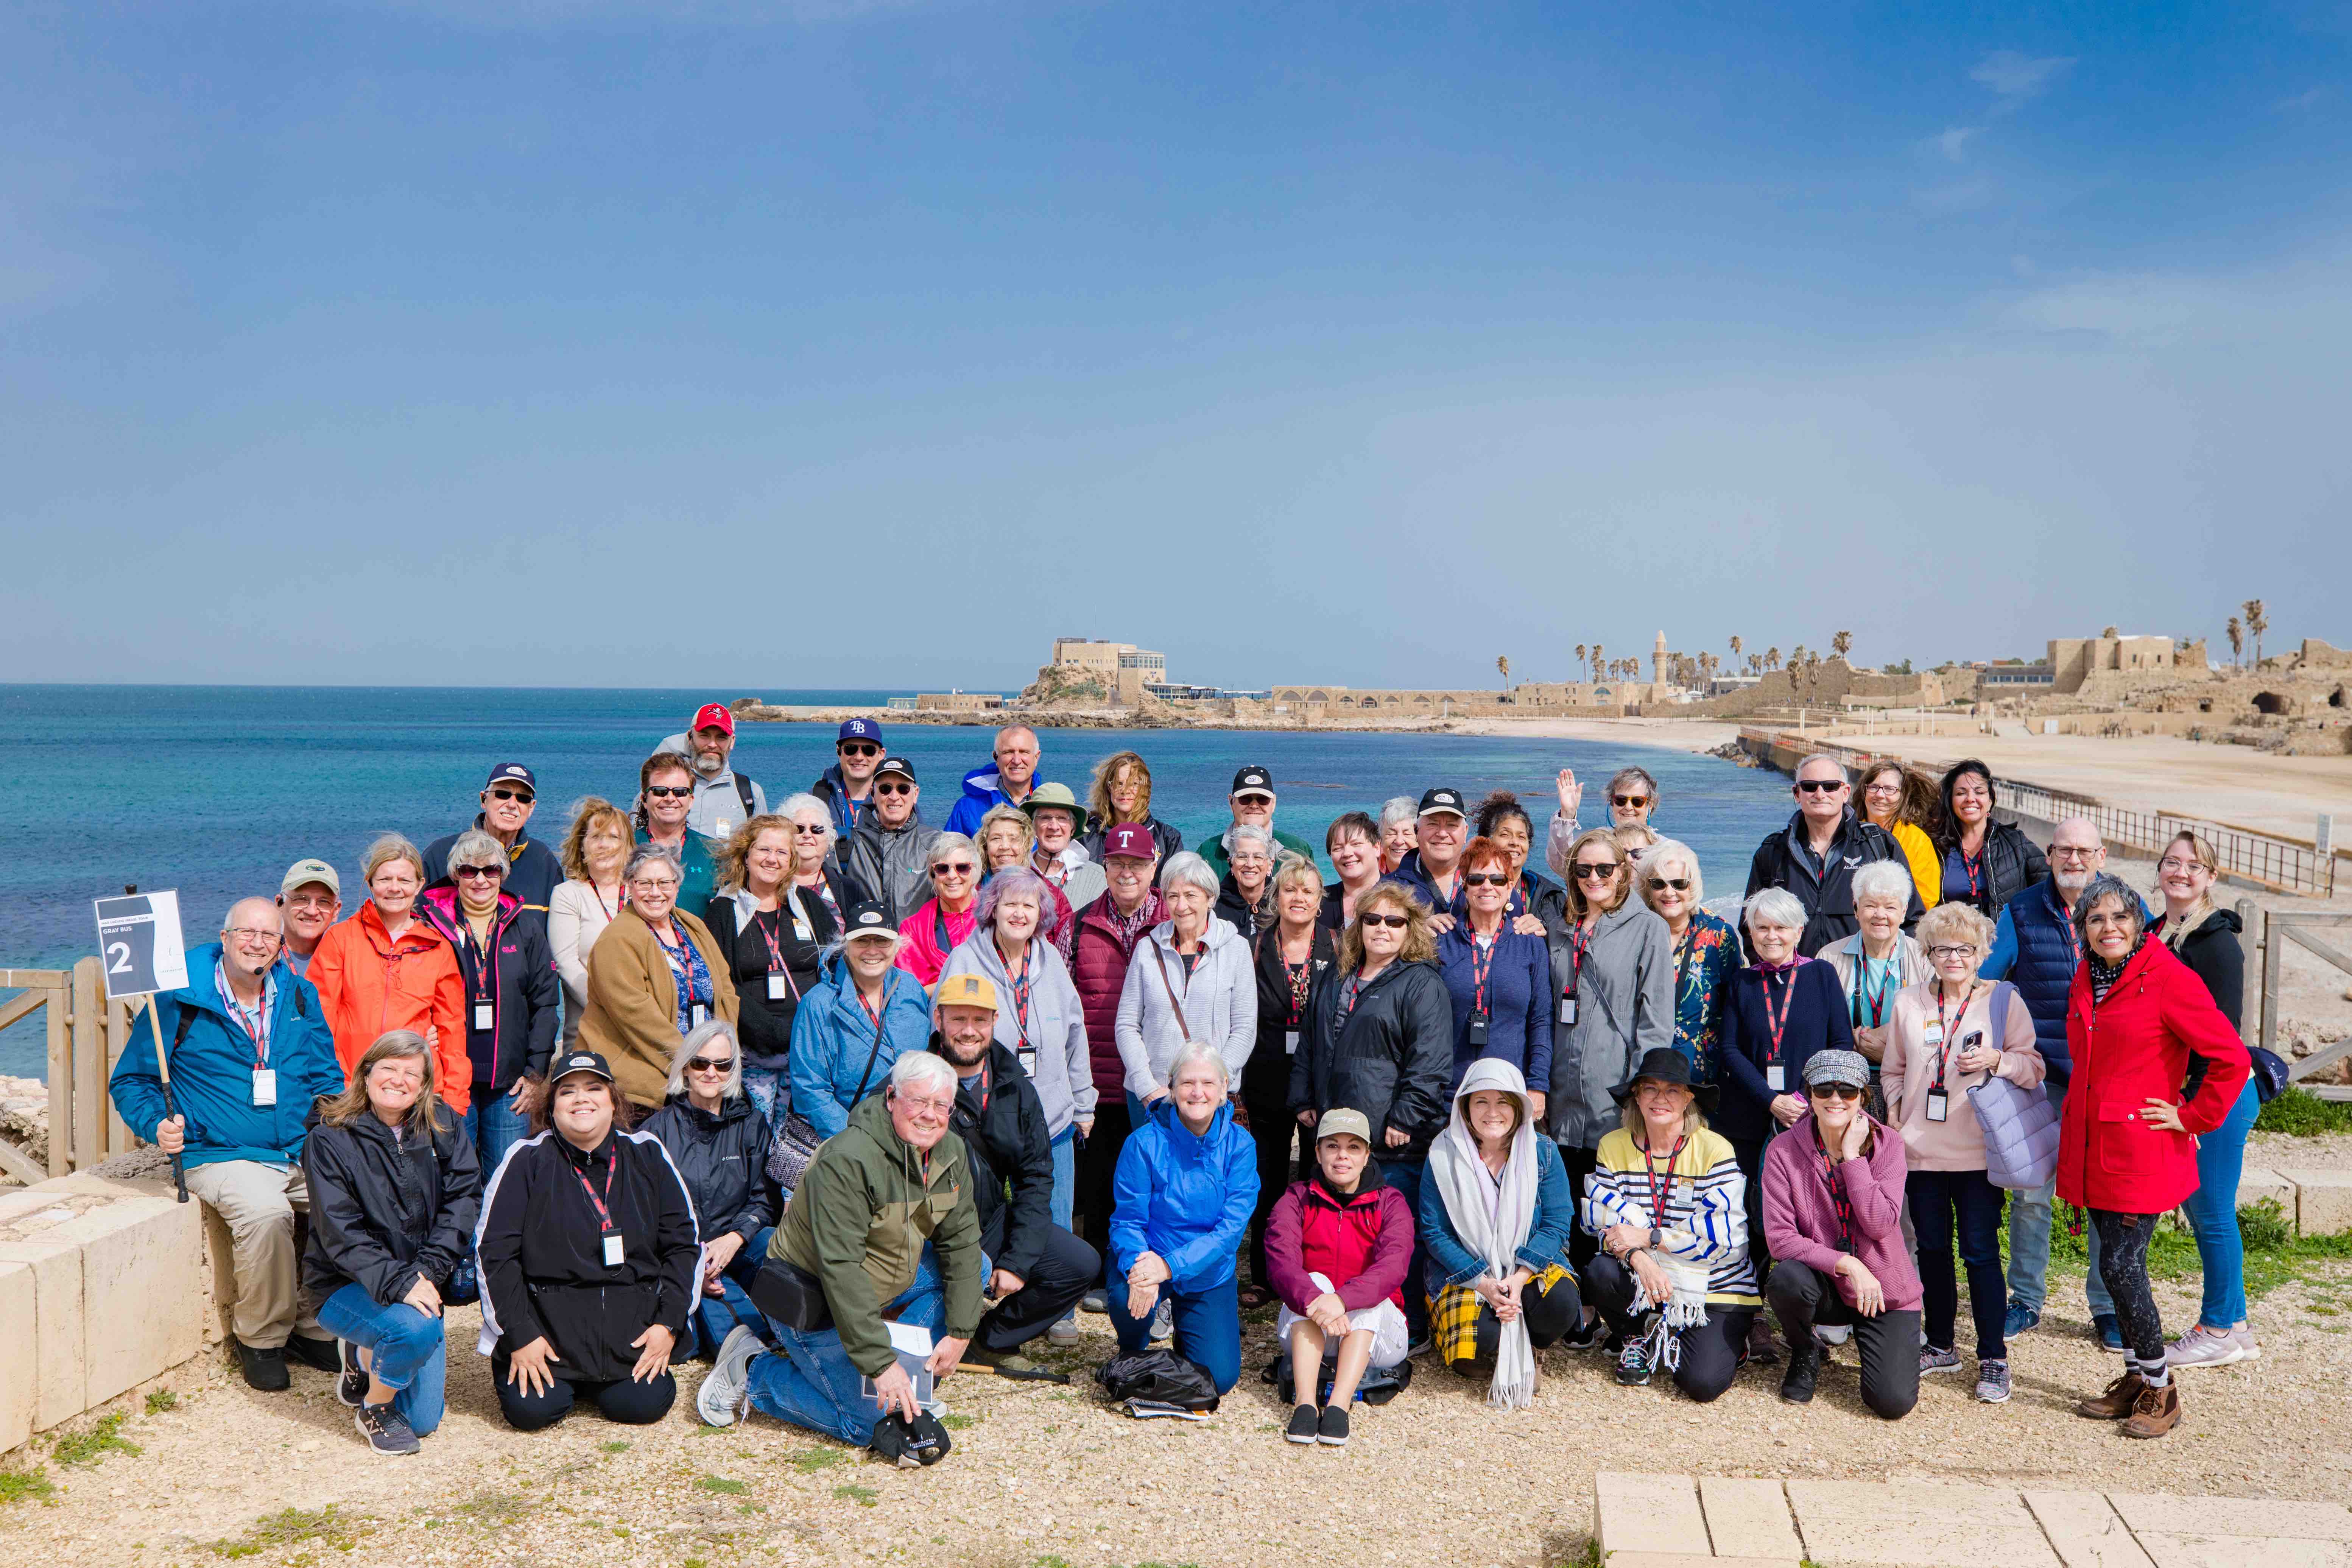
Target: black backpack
1160,1377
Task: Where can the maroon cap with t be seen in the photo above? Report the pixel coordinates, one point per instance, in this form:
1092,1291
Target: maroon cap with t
1131,838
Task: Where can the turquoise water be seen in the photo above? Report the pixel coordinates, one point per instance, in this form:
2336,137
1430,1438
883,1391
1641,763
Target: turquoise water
215,790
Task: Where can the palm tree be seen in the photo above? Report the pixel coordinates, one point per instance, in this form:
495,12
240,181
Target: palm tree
2237,641
2256,623
1735,651
1772,656
1580,657
1840,643
1755,664
1597,666
1504,664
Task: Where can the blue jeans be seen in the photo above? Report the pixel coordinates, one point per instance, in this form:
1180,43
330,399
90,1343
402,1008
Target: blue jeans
495,1126
716,1316
1406,1179
809,1380
2029,1242
406,1350
1208,1327
2214,1213
1065,1183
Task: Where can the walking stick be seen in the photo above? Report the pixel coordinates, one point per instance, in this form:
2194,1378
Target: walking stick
164,1071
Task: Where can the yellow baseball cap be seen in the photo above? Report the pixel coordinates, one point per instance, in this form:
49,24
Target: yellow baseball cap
967,991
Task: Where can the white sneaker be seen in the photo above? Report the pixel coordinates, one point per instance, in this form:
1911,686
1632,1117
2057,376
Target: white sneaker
1064,1332
2244,1334
2201,1346
727,1390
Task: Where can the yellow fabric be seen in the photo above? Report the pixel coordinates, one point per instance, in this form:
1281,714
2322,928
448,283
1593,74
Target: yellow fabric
1926,866
1454,1315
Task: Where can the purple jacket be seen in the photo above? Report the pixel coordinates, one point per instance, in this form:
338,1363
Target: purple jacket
1801,1221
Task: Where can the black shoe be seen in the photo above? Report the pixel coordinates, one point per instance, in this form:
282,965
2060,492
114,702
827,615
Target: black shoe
317,1354
1301,1429
263,1369
352,1386
1585,1336
386,1430
1634,1364
1332,1431
1760,1348
1804,1368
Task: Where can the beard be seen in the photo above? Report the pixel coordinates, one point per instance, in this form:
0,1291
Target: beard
956,1057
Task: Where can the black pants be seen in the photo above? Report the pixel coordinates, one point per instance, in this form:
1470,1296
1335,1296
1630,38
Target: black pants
1802,1296
2123,1268
1549,1314
1749,1156
1097,1162
1583,1245
1943,1203
630,1403
1711,1353
1066,1269
1272,1125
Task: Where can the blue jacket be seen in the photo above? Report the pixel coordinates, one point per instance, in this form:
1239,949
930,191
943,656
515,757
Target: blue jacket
980,796
1815,1021
1409,874
1518,1001
212,1068
1188,1199
2033,950
1548,1231
833,1034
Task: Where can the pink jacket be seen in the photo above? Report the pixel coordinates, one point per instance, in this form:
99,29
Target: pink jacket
1801,1222
1957,1142
923,955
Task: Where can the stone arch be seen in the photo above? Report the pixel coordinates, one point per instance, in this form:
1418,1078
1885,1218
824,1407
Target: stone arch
1318,696
2272,702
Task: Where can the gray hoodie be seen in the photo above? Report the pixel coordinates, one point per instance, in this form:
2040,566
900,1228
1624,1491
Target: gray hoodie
1055,1049
718,803
892,864
1624,1007
1218,1001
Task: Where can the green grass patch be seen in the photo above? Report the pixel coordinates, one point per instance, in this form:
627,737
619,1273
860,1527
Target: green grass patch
808,1461
2275,1256
329,1526
161,1400
617,1446
959,1423
496,1510
864,1497
721,1484
2299,1113
25,1486
93,1443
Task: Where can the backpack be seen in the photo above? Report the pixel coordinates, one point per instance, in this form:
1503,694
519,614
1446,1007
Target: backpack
1377,1386
1157,1377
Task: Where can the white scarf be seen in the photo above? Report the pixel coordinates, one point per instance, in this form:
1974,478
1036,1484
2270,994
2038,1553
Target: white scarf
1490,1227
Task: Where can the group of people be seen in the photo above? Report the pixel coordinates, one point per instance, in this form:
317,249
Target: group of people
684,1086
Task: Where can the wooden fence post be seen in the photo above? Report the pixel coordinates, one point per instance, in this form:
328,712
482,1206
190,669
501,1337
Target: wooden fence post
89,1065
60,1084
2252,1021
2271,946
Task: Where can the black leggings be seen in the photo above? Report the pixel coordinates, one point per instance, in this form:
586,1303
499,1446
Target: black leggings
1549,1314
626,1400
1712,1352
2122,1267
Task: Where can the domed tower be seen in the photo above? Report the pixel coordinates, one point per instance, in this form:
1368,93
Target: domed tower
1658,659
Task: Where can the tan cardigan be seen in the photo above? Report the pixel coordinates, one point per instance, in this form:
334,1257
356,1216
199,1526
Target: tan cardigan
1955,1143
631,1013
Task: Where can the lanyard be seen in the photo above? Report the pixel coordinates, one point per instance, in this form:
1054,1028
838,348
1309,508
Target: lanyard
769,924
873,1009
1683,954
1779,1024
1580,943
1350,993
1877,999
1297,975
676,958
1662,1183
1831,1175
1021,984
612,1169
486,973
1482,964
255,1022
1944,1044
620,901
984,1076
1972,870
824,891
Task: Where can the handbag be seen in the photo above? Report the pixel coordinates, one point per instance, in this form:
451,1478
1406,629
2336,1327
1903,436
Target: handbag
2269,1072
791,1297
2020,1125
796,1145
1157,1377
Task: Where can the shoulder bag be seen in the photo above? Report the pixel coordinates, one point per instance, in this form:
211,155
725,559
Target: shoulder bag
796,1145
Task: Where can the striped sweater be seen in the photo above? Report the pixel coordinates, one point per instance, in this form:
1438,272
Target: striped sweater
1705,1222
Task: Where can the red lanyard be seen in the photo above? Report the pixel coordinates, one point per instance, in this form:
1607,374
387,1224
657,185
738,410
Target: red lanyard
1838,1200
1482,964
770,929
1298,976
1944,1039
1779,1025
1662,1187
873,1009
1580,943
254,1023
1972,870
612,1169
1021,982
620,903
983,1088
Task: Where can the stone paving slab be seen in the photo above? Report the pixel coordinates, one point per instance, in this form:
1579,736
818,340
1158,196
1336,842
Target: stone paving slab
1685,1560
2085,1530
1748,1519
1898,1543
2323,1199
1648,1513
2163,1514
2244,1551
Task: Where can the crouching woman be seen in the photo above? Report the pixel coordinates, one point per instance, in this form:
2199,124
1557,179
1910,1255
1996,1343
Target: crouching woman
1336,1246
394,1186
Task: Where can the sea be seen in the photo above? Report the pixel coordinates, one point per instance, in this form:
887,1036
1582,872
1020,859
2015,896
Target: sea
214,790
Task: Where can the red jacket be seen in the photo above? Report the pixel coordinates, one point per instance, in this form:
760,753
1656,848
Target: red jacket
1098,969
1362,1246
2130,1049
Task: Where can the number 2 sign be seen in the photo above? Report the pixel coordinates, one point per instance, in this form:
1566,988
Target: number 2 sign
140,946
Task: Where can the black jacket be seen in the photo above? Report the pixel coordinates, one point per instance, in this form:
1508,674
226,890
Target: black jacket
1011,1157
525,994
765,1025
384,1211
2012,863
541,1255
1827,898
2212,953
1235,910
723,1161
1393,1060
1267,1075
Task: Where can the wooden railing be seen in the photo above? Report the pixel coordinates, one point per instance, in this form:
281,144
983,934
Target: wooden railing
2295,927
85,1034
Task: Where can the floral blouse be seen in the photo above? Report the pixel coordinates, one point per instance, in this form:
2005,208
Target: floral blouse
1705,955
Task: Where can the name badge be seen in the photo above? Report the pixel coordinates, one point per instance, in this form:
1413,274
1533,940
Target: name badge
1939,1105
776,992
804,930
1028,1055
1933,1034
1478,1029
265,1086
1776,1078
484,1015
1290,1042
697,1014
721,830
612,1249
1568,1009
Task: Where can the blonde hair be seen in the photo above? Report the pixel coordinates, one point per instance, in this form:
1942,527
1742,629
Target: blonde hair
729,866
1576,900
1419,946
1636,1125
392,846
1946,921
424,1118
1000,815
2176,932
591,813
1098,804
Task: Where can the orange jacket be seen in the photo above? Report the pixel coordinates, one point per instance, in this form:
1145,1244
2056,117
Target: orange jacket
369,983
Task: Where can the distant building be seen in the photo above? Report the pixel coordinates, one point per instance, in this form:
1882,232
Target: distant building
1108,659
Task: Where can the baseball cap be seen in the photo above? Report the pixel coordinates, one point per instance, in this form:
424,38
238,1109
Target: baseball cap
859,730
512,773
899,767
967,991
712,716
1132,839
1342,1118
579,1061
303,871
1252,781
1847,1067
1441,800
1058,795
867,918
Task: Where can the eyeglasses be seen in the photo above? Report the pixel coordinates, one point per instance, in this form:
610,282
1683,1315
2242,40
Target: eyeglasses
1679,884
1952,949
1395,922
959,869
1883,788
253,938
523,795
936,1106
655,884
478,873
712,1064
1821,787
1630,801
894,789
814,831
1488,879
1595,870
669,792
2077,852
2175,868
1836,1091
858,749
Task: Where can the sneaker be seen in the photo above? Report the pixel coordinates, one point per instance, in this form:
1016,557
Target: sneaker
1804,1371
1634,1364
264,1366
1992,1382
319,1355
1094,1301
2155,1412
352,1386
2021,1319
2108,1333
1420,1347
1064,1332
1011,1364
1163,1322
1933,1360
2201,1346
1332,1430
1585,1336
1761,1347
2248,1350
386,1430
727,1388
1301,1429
1834,1334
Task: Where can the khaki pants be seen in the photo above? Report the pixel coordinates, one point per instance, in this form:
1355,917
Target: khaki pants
257,1201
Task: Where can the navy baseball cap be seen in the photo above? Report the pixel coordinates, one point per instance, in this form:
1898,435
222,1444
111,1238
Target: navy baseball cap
512,772
1252,781
1441,800
859,730
869,919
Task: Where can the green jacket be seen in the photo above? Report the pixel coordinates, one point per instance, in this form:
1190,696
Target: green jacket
1212,849
858,1221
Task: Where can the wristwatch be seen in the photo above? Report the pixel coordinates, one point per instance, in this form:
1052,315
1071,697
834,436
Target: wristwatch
1657,1237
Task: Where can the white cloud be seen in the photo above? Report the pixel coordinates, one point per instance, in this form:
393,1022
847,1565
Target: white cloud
2302,102
1953,141
2013,77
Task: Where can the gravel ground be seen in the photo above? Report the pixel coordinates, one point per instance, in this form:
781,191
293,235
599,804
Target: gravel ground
1046,1476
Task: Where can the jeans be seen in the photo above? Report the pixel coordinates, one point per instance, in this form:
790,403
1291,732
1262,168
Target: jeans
1406,1179
407,1352
2214,1213
1208,1327
1944,1201
809,1379
1066,1174
716,1316
495,1126
1802,1296
2029,1241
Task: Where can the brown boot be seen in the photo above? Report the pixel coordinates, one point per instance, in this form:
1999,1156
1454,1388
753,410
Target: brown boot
1761,1349
2157,1412
2118,1400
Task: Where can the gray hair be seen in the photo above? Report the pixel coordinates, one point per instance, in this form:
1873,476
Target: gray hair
1191,870
1192,1051
1774,907
948,844
2103,887
688,1048
923,1069
1399,808
796,804
644,855
472,842
1017,882
1885,881
1837,763
1669,852
1242,832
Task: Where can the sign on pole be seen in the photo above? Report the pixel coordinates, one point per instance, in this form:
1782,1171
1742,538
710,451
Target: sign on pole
139,944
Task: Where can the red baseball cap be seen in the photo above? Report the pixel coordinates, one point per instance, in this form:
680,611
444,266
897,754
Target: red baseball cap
1132,839
713,716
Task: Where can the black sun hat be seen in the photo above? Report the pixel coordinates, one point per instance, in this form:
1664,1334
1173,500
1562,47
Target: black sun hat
1666,1064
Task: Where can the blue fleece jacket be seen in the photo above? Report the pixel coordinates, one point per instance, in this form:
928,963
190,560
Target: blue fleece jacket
833,1034
1451,1263
1187,1199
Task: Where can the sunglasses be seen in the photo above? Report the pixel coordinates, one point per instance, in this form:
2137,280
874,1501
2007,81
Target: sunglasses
894,789
1821,787
710,1064
669,792
1679,884
1488,880
1595,870
1836,1091
812,832
479,873
1629,800
856,749
523,795
961,869
1397,922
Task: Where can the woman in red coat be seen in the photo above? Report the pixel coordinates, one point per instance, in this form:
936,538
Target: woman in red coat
2127,1150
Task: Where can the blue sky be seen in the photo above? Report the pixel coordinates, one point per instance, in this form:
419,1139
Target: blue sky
647,341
